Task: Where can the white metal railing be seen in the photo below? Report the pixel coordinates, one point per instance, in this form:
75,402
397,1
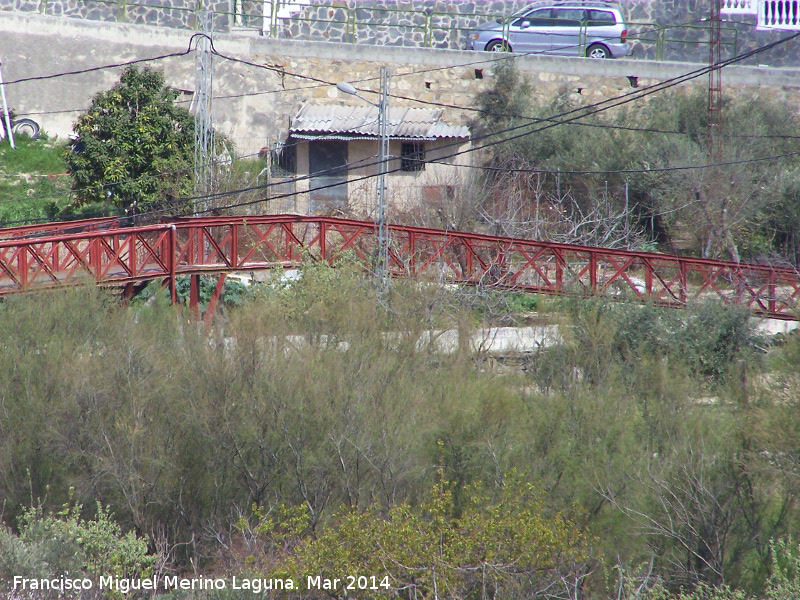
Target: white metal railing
739,7
273,10
779,14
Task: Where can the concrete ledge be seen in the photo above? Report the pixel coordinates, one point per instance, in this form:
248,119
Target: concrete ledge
643,69
247,45
143,35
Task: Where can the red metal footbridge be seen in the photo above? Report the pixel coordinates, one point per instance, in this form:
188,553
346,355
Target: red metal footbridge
104,252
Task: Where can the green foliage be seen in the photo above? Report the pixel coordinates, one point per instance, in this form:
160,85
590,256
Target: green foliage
743,209
134,147
782,585
709,338
786,355
334,414
507,102
714,336
522,302
234,293
785,579
54,544
269,535
502,546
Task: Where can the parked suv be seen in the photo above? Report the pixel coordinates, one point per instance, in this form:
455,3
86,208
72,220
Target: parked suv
577,28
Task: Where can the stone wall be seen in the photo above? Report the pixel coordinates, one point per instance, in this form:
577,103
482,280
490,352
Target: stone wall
673,30
686,33
178,14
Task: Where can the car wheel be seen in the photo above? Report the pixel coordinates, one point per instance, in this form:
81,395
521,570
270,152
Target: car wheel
598,51
26,127
498,46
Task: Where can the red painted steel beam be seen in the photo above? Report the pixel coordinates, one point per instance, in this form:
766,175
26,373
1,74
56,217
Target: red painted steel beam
211,309
59,228
115,256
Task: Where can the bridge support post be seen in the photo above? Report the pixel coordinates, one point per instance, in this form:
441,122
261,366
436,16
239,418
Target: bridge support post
211,310
194,296
683,281
559,271
172,259
772,294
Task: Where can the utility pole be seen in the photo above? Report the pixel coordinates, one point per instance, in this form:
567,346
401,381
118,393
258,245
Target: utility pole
203,115
381,226
715,83
6,115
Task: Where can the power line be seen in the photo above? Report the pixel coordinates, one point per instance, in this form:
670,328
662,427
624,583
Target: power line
321,82
623,171
589,109
109,66
601,106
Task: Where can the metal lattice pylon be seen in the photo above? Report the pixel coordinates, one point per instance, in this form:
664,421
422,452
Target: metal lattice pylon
381,222
715,83
203,116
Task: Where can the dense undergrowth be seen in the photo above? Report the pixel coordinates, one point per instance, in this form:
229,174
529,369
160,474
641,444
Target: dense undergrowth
316,431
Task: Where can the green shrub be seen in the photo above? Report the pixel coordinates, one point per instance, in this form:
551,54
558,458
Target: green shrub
51,545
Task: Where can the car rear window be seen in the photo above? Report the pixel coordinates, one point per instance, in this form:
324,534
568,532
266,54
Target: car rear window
601,17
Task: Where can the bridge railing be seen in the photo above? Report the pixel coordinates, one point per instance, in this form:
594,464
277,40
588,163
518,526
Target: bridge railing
60,228
192,246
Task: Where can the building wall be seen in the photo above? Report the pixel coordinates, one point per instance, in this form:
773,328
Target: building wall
404,188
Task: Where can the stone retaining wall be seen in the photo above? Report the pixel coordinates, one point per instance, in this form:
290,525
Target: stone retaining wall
674,30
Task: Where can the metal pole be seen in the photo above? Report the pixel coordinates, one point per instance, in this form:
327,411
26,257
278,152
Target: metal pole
558,184
203,118
627,216
715,84
382,267
5,110
379,214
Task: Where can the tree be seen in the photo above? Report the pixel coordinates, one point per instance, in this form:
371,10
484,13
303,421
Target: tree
528,187
133,147
619,178
742,208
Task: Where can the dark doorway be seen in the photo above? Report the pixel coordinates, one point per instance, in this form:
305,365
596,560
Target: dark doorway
327,165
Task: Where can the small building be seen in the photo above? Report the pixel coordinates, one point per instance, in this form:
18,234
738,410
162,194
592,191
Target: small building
337,148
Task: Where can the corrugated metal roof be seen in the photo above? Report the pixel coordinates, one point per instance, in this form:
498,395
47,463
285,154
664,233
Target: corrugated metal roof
354,122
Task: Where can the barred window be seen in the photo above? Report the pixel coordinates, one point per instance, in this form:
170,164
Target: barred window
412,156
